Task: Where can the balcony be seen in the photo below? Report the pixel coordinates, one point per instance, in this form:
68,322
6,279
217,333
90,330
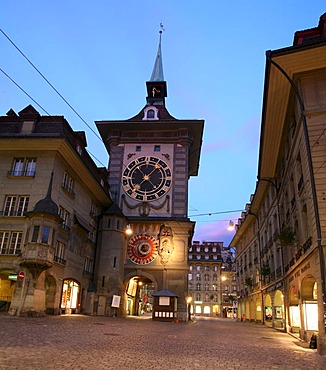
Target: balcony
37,257
65,227
59,260
68,190
13,213
19,173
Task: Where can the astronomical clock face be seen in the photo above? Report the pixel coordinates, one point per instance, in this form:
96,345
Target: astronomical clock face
147,178
142,249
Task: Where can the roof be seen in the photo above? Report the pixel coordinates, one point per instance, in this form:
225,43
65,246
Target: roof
157,74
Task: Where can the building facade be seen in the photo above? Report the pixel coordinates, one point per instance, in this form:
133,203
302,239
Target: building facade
212,283
280,237
50,197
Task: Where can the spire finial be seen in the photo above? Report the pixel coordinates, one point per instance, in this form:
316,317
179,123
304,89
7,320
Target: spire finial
161,28
157,74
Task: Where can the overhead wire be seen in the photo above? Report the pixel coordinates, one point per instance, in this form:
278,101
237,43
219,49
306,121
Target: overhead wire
70,106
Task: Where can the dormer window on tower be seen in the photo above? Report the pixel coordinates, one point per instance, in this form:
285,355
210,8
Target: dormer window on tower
150,113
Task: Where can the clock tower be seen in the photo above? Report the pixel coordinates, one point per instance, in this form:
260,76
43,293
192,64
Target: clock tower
151,157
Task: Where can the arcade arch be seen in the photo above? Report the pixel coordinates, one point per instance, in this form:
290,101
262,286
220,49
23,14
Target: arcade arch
138,291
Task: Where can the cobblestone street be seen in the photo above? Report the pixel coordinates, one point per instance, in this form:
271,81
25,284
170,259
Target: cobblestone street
83,342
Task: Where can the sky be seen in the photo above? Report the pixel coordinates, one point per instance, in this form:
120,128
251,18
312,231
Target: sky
98,55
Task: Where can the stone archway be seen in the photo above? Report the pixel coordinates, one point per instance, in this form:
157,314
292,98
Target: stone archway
138,299
309,303
50,296
70,298
294,310
268,310
278,309
252,310
8,279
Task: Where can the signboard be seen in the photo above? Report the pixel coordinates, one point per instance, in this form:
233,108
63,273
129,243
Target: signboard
21,275
116,301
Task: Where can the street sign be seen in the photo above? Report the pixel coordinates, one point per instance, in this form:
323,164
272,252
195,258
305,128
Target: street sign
21,275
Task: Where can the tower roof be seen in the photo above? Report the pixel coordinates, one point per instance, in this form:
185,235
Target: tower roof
47,205
157,74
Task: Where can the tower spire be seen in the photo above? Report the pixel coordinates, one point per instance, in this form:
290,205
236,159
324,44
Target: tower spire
156,86
157,74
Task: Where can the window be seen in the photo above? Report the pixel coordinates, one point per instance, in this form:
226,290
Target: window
198,277
150,113
206,277
45,235
64,214
198,297
157,148
24,167
59,254
68,183
198,286
138,148
15,205
88,266
206,287
10,242
35,234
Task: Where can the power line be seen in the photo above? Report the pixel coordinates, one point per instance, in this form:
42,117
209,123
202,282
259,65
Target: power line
217,213
49,83
14,82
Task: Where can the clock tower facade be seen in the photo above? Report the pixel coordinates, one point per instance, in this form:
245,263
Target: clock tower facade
151,157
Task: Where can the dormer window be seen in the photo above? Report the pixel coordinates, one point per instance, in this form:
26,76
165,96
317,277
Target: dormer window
150,114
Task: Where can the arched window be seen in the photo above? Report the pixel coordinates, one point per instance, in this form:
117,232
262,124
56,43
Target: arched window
150,114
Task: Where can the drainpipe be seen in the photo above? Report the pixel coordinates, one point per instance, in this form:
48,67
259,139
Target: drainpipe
312,180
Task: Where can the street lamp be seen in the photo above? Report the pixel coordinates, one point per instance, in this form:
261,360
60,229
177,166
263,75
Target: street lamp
189,300
231,226
128,230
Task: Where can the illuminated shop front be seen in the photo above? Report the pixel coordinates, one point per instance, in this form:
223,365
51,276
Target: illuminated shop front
70,296
309,303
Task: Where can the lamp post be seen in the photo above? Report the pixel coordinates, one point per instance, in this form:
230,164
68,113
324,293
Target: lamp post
189,300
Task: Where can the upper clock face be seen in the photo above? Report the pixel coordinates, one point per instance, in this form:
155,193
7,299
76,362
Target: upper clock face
147,178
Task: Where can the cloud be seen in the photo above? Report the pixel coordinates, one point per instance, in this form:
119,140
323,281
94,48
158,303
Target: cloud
213,232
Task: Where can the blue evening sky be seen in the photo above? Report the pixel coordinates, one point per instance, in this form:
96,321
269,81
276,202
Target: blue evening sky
99,55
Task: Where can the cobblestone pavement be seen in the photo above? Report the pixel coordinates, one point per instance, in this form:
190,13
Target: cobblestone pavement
84,342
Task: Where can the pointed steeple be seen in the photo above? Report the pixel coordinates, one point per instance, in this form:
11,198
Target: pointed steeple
157,74
47,205
156,86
